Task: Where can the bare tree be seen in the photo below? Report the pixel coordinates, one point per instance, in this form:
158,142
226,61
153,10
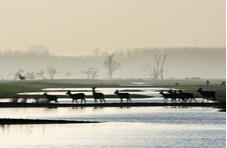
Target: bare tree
94,74
88,73
51,71
111,65
91,73
40,74
157,70
30,75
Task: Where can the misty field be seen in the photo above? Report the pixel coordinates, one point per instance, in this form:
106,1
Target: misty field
8,89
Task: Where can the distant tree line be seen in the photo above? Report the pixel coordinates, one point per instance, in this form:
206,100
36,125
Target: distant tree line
153,63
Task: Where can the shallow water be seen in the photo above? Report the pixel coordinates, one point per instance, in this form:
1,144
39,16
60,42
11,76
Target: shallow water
122,127
153,91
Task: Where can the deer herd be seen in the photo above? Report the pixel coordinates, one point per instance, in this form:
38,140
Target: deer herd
185,97
174,95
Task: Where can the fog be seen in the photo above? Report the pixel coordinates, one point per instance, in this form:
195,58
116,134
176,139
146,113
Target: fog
75,27
73,38
180,63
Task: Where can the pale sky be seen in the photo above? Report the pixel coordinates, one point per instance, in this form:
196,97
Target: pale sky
71,27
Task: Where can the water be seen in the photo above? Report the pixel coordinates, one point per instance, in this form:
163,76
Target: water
122,127
149,92
161,127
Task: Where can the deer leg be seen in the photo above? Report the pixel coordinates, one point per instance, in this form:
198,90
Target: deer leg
194,99
186,100
189,99
164,99
202,99
182,100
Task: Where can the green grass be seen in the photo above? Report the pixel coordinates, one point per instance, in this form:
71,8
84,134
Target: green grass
9,89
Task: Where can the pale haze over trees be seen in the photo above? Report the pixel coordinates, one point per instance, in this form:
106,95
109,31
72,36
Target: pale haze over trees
156,70
179,63
111,65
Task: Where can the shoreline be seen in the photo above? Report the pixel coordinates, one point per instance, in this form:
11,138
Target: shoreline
138,104
7,121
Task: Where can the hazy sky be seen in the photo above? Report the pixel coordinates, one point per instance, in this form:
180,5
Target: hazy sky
79,26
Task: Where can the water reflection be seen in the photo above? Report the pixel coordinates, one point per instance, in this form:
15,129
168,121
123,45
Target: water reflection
178,107
78,107
124,127
114,135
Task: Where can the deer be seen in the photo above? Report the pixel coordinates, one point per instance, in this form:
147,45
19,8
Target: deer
97,96
51,97
186,96
75,97
174,95
177,95
22,78
207,94
166,96
123,95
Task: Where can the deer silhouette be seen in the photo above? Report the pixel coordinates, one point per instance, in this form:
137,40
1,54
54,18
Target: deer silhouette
177,95
51,97
207,94
97,96
166,96
174,95
123,95
22,78
78,96
186,96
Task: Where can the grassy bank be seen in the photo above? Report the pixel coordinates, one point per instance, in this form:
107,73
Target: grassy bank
9,88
